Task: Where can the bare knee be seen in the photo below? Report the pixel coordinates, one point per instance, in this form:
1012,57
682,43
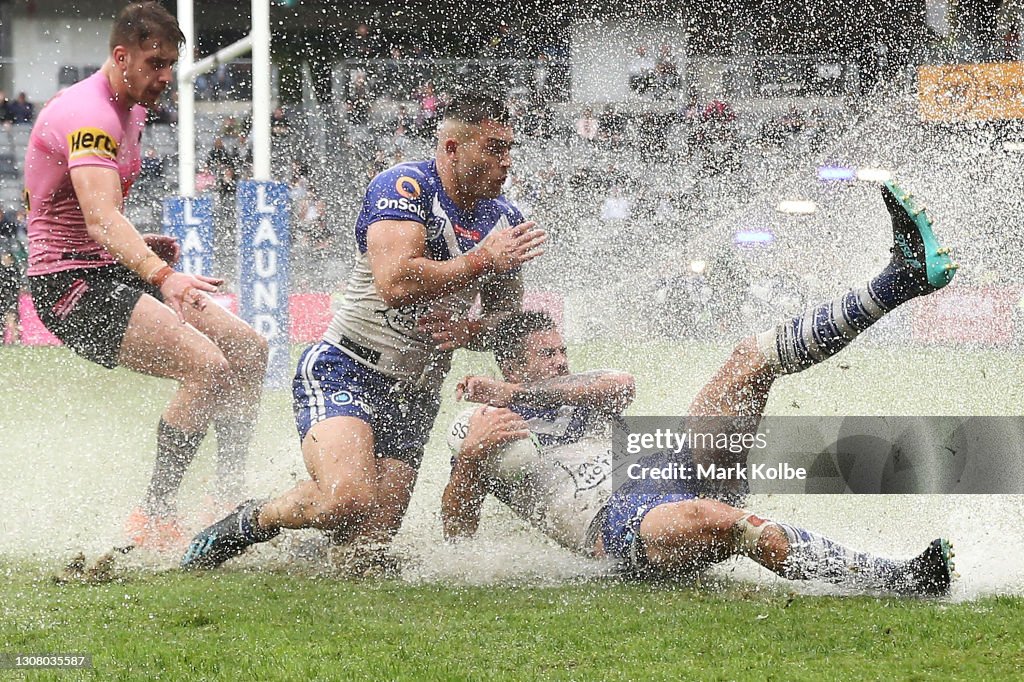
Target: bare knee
251,358
248,354
208,372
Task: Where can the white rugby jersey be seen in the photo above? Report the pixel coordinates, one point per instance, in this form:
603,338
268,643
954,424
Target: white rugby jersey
558,479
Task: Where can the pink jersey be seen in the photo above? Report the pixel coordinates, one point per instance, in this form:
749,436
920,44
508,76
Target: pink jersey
80,126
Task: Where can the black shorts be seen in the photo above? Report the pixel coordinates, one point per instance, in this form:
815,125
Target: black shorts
89,308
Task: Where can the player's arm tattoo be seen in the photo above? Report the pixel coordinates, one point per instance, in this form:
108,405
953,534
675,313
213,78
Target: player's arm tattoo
606,390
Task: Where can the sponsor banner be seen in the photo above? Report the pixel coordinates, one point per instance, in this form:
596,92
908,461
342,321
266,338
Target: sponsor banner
264,245
971,92
728,457
982,315
190,221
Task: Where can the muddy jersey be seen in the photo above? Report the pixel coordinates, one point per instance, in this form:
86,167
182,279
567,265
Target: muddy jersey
559,478
81,126
386,338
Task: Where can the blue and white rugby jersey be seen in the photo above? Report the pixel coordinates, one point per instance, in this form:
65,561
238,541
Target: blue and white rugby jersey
559,478
411,192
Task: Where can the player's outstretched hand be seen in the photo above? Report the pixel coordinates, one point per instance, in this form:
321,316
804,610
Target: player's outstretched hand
490,428
509,248
181,289
164,246
476,389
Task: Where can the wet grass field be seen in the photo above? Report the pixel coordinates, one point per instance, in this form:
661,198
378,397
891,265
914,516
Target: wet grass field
76,447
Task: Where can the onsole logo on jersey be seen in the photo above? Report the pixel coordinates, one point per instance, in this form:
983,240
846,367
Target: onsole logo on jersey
408,188
402,204
91,142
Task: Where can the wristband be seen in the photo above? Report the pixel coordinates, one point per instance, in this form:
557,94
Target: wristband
160,276
480,262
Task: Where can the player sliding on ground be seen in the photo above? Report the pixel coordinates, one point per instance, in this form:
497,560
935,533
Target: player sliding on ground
541,445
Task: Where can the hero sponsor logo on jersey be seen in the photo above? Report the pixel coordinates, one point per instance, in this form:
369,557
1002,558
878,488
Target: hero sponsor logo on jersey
407,187
409,192
91,142
402,204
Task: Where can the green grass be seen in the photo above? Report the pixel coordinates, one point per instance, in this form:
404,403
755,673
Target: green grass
273,626
76,449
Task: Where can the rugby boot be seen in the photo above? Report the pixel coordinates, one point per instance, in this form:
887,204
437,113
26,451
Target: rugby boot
928,574
225,539
155,532
921,264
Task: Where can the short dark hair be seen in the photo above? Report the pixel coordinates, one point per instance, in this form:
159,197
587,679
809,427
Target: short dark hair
475,107
140,21
509,338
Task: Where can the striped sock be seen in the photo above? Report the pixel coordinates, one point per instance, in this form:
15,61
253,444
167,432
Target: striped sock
821,332
815,557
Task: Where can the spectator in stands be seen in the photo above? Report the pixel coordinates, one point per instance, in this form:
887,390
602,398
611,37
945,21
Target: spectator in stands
232,128
357,104
612,126
222,82
394,82
666,78
792,123
364,44
220,157
617,207
21,110
539,118
280,125
641,71
243,150
430,105
5,109
501,45
403,119
587,127
542,77
152,172
13,254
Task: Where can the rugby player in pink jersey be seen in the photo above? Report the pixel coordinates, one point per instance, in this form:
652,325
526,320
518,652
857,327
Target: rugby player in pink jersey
110,294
